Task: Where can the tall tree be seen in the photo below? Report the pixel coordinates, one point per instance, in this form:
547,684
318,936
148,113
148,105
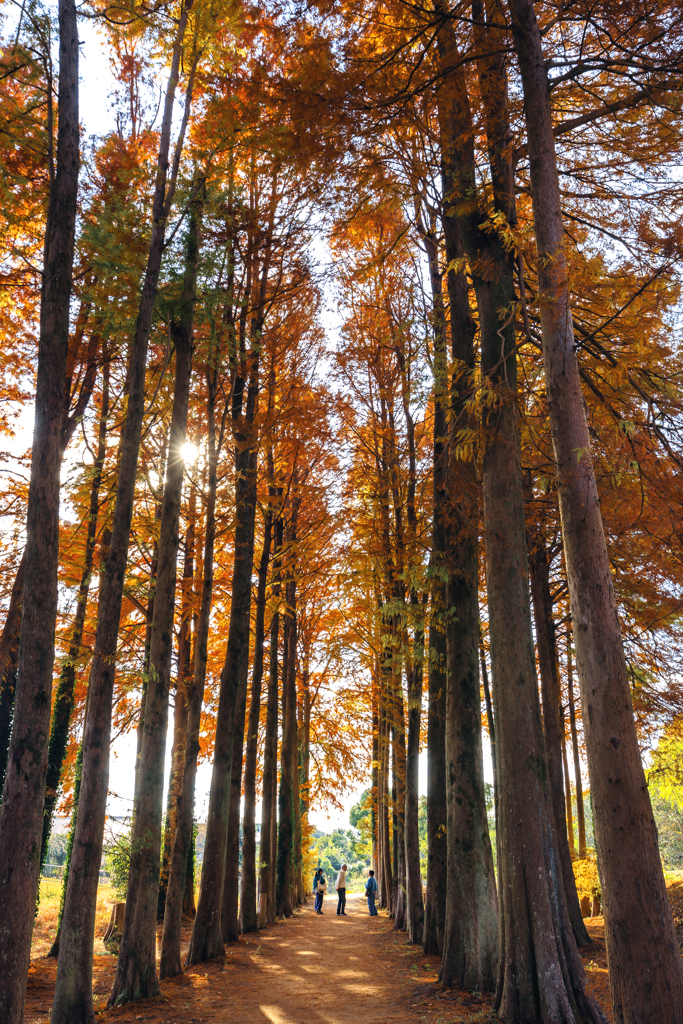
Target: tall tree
248,909
646,973
268,849
21,812
64,695
170,964
136,973
73,992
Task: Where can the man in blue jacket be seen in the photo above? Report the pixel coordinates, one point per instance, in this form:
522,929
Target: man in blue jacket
371,892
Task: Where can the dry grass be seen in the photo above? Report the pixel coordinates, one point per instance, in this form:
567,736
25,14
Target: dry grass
45,927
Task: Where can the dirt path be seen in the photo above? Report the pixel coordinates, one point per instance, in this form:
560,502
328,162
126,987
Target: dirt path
307,970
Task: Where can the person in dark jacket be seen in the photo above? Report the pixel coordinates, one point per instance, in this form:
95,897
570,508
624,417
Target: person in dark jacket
320,889
371,893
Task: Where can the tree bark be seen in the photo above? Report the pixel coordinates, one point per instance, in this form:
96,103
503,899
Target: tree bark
136,973
386,891
248,909
267,853
230,926
437,853
285,843
646,972
180,711
170,964
64,696
553,732
73,992
21,811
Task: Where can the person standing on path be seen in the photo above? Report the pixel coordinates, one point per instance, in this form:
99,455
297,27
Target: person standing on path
371,892
316,876
341,892
320,890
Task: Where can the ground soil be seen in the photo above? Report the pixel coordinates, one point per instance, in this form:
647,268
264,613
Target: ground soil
306,970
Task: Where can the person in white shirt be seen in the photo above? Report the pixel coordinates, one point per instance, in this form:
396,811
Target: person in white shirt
341,891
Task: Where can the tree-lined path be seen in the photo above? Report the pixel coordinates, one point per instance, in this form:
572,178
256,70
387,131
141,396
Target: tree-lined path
351,337
305,970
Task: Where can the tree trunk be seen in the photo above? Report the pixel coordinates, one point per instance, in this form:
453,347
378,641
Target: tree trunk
285,845
646,972
170,964
248,909
136,973
435,907
267,854
470,943
399,800
73,992
580,813
230,926
297,880
207,941
414,900
437,853
21,811
553,733
62,705
180,713
386,892
305,753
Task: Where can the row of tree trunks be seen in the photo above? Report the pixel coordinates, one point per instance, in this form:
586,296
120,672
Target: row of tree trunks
180,710
207,940
9,638
229,914
136,972
248,908
553,729
286,866
435,907
268,850
170,963
63,702
21,812
398,764
73,993
414,899
540,974
646,972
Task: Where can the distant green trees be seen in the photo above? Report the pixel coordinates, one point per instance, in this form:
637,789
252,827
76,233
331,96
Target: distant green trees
665,783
